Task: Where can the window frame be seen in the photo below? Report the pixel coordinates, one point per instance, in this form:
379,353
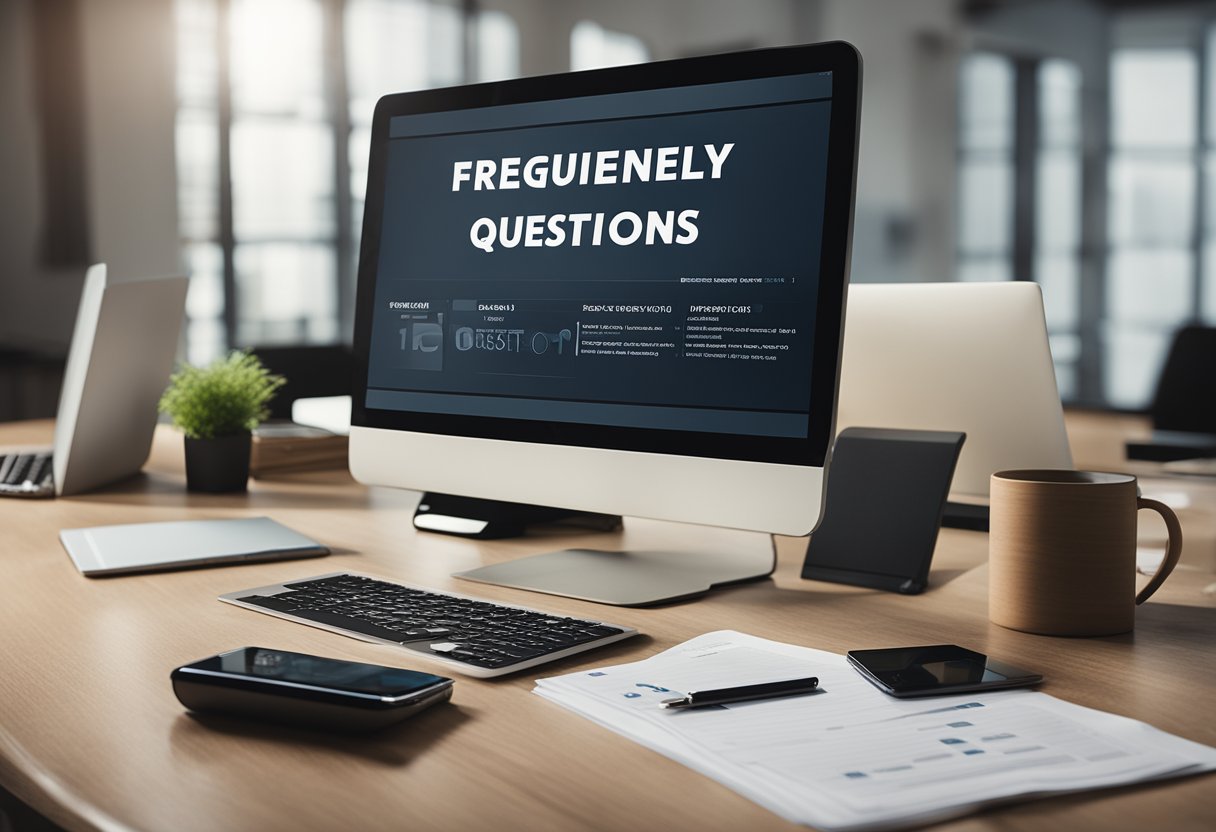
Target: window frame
1025,150
1199,41
339,125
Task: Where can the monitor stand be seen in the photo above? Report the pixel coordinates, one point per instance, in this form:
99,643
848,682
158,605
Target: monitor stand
497,519
640,575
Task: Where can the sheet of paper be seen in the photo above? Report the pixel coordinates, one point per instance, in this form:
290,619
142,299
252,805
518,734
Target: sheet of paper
851,757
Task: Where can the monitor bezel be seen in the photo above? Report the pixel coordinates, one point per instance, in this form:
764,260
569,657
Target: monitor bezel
839,58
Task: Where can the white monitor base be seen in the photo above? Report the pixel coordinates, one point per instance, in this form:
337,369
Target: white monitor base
634,578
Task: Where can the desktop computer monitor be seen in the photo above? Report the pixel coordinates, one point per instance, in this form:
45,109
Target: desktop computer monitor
618,291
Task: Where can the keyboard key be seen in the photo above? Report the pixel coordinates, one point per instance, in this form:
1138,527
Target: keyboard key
346,622
27,474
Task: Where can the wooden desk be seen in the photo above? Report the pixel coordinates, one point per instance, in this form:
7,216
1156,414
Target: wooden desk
92,736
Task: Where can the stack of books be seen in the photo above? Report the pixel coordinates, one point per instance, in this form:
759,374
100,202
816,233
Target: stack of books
287,447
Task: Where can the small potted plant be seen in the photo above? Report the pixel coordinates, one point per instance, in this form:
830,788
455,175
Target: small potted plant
217,407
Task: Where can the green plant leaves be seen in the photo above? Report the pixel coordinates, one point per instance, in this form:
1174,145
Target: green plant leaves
230,395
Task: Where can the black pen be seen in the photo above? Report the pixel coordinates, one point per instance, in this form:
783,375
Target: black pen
744,693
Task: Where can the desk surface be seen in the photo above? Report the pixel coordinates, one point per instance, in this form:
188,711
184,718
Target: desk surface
92,736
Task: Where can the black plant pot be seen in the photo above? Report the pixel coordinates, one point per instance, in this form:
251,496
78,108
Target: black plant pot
218,465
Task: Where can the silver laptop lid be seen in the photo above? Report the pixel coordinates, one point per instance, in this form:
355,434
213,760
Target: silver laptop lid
122,353
972,357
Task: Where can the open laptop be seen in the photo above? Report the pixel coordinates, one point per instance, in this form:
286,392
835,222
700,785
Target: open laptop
118,365
971,357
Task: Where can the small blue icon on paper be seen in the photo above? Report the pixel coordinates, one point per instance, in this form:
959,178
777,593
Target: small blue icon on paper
632,695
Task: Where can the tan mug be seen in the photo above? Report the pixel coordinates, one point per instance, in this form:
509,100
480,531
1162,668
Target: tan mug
1062,552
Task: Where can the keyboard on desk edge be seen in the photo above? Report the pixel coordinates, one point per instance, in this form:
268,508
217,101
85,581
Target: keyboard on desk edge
470,635
27,474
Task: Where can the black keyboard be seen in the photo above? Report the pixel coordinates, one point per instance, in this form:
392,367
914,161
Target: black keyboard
27,475
469,635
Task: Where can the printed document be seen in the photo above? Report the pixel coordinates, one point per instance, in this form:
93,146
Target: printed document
851,757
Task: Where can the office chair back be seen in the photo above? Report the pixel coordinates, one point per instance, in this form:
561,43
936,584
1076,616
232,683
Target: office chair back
1186,391
322,370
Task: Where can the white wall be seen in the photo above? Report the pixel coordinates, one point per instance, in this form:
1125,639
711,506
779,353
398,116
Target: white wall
32,299
129,101
904,228
132,104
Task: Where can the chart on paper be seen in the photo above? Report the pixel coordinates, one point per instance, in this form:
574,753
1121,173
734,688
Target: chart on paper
849,756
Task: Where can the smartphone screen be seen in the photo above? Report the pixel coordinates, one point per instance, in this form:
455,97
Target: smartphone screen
314,671
936,669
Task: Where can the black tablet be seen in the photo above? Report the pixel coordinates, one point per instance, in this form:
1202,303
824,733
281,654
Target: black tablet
885,498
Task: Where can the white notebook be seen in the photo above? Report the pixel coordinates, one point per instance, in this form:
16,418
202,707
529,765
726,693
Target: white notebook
145,547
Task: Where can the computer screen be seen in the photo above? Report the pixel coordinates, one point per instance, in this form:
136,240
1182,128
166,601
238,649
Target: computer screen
610,284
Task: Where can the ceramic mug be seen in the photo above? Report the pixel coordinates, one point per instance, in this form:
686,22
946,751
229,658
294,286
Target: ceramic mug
1062,552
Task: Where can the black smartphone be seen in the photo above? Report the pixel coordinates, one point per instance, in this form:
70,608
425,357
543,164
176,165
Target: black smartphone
935,670
296,688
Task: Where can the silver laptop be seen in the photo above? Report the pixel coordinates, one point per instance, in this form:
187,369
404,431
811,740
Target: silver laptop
118,365
972,357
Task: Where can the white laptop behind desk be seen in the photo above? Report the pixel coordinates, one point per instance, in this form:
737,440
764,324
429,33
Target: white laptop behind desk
972,357
122,352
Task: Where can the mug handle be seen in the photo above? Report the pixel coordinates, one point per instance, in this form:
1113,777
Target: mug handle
1173,549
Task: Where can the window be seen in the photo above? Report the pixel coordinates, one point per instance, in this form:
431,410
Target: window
1057,215
273,129
594,47
391,46
281,147
1157,183
198,168
1152,178
985,176
1019,187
